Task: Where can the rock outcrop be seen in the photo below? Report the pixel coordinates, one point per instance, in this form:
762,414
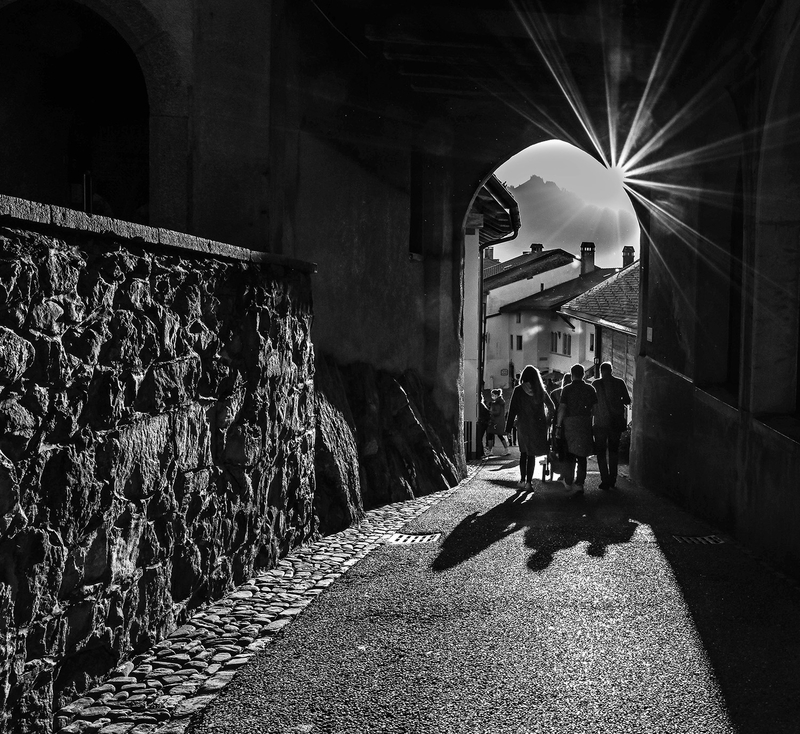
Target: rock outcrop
377,442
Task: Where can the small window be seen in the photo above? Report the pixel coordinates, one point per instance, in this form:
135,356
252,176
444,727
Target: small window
567,345
519,317
519,343
591,342
511,341
554,342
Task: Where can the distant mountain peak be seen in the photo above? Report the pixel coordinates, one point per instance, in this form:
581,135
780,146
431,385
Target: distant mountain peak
558,217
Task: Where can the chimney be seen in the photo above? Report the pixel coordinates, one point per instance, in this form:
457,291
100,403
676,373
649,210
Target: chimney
489,253
628,255
536,248
587,257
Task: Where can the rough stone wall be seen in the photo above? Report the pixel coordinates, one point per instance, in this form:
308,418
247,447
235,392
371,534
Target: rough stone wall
377,441
156,444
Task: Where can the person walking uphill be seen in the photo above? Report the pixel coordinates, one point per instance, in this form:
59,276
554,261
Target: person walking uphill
497,410
575,417
609,423
532,408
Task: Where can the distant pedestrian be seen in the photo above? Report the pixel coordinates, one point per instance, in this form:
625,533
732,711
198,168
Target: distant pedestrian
610,420
532,408
482,424
575,415
497,420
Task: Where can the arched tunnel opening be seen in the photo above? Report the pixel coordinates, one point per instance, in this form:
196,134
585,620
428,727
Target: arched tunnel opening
549,292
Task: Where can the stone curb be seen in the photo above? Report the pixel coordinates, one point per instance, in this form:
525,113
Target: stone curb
159,691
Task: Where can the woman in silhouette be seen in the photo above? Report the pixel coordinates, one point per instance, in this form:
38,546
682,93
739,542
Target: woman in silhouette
497,411
532,407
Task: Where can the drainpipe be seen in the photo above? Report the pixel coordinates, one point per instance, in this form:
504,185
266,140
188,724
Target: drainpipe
510,205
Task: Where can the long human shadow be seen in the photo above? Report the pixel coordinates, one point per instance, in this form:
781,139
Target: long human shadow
745,614
529,512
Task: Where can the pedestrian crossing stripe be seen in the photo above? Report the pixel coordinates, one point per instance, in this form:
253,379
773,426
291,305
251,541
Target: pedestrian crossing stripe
699,539
405,538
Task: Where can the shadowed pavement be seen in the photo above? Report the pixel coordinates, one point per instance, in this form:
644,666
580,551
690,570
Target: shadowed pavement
534,613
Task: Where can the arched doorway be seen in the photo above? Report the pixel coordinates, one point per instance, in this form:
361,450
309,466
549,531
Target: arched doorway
75,111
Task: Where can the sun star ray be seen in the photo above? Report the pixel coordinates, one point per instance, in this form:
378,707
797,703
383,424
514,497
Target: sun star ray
731,146
700,103
555,130
709,195
692,238
631,137
689,237
563,79
611,87
669,57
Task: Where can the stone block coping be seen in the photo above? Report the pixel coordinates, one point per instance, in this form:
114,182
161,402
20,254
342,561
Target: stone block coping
29,212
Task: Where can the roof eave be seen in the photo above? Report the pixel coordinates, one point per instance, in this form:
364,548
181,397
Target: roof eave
598,321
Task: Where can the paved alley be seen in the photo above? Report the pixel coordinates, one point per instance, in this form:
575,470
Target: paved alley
543,613
507,613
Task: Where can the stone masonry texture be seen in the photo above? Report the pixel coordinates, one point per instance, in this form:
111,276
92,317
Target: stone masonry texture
157,428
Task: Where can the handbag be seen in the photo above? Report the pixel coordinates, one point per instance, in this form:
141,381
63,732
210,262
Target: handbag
558,445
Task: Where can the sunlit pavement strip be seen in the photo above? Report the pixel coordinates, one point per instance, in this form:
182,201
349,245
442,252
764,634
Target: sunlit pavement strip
159,691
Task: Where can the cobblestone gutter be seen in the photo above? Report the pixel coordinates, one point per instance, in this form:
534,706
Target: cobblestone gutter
159,691
156,442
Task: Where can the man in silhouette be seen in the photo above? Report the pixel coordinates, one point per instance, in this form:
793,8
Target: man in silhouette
610,420
575,417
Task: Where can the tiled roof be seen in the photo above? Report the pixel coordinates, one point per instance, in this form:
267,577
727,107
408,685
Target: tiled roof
614,301
525,257
559,294
526,265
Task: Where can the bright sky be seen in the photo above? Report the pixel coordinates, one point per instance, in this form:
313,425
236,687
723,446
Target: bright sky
569,168
576,171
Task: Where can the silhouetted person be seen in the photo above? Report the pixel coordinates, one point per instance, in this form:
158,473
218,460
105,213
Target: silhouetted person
575,415
609,423
482,424
497,421
531,406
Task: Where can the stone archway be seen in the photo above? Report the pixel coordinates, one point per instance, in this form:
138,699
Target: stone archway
97,94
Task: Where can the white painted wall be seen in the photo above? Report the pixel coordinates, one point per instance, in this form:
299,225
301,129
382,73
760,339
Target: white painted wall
471,325
580,344
529,286
534,328
498,353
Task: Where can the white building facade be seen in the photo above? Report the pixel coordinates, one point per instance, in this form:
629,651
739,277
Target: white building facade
522,323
